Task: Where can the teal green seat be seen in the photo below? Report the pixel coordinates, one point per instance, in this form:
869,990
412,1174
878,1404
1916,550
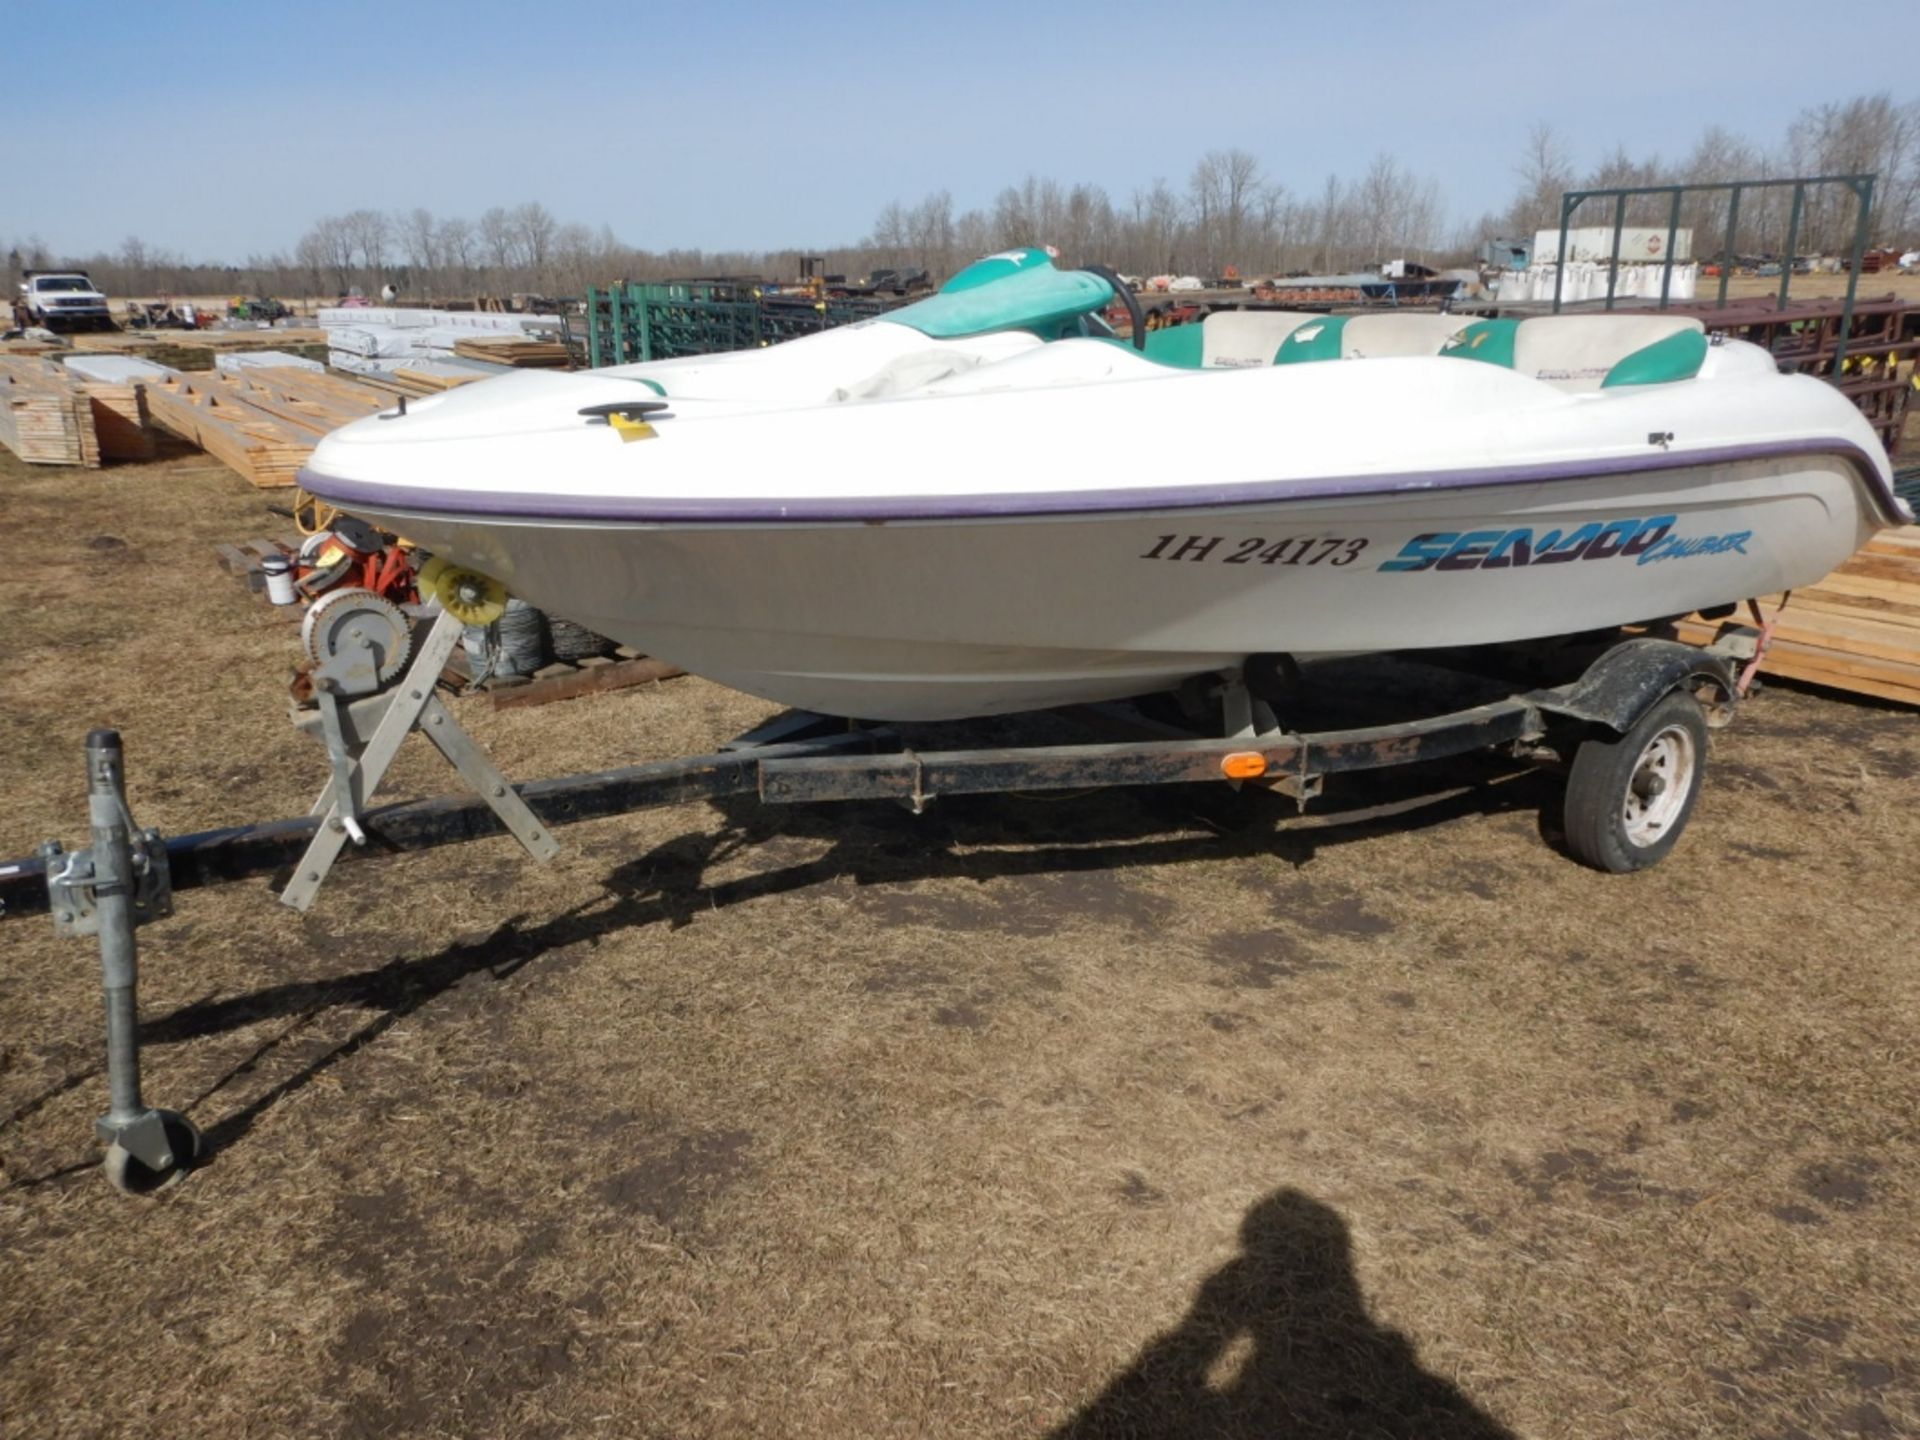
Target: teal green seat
1488,341
1177,345
1678,357
1312,340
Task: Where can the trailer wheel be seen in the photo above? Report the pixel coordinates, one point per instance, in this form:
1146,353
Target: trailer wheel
1629,796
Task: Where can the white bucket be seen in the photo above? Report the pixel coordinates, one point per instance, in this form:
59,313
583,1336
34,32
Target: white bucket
279,572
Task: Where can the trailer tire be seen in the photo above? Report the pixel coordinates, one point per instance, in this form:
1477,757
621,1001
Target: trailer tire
1629,796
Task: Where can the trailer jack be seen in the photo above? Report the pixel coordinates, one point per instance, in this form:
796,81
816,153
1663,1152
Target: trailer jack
117,884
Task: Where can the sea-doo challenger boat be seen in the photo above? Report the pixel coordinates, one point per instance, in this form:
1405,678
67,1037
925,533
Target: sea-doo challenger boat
985,502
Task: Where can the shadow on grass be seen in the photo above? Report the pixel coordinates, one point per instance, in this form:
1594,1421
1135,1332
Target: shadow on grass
1278,1344
975,838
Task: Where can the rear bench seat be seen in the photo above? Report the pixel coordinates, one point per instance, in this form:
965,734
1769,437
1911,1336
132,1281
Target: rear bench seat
1570,352
1588,352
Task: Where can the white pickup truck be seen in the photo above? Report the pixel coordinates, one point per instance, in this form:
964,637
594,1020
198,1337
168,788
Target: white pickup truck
64,299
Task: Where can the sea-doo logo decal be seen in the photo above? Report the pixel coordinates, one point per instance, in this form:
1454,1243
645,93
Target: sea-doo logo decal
1645,539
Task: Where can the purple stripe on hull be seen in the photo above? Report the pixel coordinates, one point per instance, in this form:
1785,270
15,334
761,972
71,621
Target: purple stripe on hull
669,510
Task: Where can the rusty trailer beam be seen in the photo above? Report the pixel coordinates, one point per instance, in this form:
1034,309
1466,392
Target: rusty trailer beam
817,769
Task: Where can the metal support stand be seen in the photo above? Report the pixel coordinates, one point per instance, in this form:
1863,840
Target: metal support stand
359,765
116,884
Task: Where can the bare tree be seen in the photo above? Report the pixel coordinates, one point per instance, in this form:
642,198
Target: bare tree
1869,135
497,241
930,232
890,237
455,243
1331,223
1545,170
368,233
327,248
1223,190
573,257
533,229
135,263
420,237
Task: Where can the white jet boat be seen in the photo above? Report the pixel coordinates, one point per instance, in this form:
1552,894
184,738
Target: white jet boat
984,502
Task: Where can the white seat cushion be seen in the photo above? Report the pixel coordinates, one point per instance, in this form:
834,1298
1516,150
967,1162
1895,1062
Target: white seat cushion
1575,352
1242,339
1372,336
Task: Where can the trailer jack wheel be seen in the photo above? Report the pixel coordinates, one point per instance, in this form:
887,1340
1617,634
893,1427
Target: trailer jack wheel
168,1145
1629,796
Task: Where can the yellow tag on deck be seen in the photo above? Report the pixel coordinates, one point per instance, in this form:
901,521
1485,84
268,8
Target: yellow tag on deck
630,430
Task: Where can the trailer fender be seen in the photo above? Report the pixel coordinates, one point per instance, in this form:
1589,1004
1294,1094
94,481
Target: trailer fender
1632,677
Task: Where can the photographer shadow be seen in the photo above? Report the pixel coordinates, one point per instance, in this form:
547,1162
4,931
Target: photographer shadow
1278,1344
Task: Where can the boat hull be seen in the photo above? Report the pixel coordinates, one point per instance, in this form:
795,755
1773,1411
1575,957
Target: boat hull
923,619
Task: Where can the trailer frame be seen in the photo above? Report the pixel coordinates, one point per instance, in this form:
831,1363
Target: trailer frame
129,876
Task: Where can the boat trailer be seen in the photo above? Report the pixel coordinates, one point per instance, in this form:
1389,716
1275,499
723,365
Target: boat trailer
1634,722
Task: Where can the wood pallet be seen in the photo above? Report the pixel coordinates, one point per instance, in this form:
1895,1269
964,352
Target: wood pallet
263,423
243,560
1857,630
596,673
46,416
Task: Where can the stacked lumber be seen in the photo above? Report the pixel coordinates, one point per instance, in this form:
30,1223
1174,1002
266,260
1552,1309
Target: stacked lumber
1857,630
516,350
428,377
32,345
432,378
46,417
387,338
121,420
262,424
198,349
115,386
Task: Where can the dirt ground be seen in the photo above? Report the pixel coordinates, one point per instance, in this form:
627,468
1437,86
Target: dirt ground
1127,1113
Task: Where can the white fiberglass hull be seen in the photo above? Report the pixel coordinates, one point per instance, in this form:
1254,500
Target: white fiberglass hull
1036,556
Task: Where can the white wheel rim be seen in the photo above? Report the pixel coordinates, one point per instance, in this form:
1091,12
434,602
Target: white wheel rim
1657,792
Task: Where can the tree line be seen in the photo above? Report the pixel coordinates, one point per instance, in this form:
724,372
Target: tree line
1227,213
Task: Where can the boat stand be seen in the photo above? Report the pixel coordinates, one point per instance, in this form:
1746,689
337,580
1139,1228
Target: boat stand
350,705
128,876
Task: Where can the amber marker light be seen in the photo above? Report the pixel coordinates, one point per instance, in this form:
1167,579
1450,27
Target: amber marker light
1244,765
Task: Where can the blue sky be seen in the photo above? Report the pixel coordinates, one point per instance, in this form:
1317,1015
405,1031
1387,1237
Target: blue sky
219,129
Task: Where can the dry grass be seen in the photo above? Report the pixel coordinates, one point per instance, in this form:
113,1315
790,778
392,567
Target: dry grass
839,1122
1814,287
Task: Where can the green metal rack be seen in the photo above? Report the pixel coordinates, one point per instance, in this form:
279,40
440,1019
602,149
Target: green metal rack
628,323
1859,186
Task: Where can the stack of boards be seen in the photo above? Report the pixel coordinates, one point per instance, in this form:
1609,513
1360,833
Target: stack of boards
198,349
427,377
1857,630
51,416
526,352
262,423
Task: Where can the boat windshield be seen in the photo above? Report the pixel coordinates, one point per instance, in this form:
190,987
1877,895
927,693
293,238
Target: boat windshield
1014,290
